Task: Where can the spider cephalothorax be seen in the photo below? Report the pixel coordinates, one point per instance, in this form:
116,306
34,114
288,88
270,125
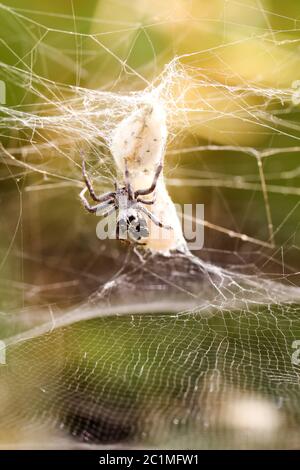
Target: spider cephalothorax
128,204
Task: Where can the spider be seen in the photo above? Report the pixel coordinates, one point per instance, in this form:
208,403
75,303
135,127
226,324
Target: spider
127,203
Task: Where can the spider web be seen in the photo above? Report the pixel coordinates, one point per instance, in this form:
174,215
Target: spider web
108,346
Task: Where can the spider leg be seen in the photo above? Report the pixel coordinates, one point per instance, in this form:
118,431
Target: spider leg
89,185
95,208
118,230
127,182
154,218
143,192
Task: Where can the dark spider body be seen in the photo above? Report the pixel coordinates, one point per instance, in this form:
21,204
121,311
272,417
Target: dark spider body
127,203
